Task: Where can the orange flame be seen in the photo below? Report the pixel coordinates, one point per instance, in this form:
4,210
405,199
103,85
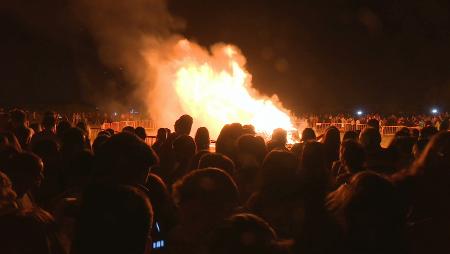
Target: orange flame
215,89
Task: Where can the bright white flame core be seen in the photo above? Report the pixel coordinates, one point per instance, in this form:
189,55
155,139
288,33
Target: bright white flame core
215,89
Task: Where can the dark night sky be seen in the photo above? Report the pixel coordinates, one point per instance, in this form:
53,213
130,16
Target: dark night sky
316,55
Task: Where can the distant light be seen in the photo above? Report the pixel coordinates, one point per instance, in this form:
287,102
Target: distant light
359,112
115,113
434,111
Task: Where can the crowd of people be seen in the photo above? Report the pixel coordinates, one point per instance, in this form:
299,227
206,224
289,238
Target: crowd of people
63,193
408,120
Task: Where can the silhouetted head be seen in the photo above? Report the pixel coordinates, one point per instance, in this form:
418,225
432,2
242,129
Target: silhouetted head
350,135
352,155
308,134
183,125
141,133
98,142
403,132
217,160
248,129
82,125
279,135
243,234
251,146
73,141
129,129
428,132
62,127
332,142
370,138
49,121
111,131
124,158
18,117
211,192
161,135
374,123
113,219
202,139
226,141
26,172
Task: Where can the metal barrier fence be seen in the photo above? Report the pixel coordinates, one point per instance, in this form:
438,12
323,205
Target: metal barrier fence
320,128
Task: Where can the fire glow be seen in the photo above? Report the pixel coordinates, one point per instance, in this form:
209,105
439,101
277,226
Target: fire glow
215,89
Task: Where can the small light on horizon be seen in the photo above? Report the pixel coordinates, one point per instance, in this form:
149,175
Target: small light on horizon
434,111
359,112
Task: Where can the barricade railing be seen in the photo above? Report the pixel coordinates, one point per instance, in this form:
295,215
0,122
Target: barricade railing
118,126
320,128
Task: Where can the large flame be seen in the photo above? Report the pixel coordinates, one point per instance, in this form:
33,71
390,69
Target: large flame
215,89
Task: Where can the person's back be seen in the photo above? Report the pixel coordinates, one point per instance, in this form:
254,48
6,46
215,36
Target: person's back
276,200
113,219
371,215
26,174
425,186
29,231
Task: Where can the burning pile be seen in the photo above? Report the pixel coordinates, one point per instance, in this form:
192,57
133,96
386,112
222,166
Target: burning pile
214,88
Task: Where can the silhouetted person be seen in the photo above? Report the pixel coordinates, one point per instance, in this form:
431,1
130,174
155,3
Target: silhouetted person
374,123
29,231
331,141
53,183
113,219
161,137
184,150
351,161
226,141
251,152
276,199
371,215
245,234
183,125
82,125
48,130
22,132
202,140
98,143
308,135
426,187
141,133
26,174
205,197
129,129
125,159
62,127
377,158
